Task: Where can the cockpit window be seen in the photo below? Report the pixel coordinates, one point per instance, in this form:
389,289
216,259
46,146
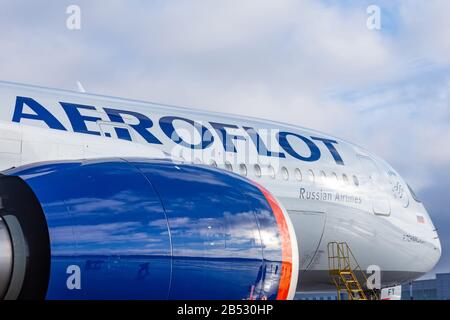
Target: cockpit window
413,194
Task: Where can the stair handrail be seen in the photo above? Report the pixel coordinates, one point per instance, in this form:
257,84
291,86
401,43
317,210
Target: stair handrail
342,252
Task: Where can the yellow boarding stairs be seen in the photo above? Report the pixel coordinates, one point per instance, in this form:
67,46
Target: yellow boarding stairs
344,269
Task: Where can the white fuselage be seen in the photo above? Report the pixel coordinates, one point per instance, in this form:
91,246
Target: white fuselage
333,190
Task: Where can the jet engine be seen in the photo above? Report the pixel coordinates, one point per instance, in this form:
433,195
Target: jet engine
141,229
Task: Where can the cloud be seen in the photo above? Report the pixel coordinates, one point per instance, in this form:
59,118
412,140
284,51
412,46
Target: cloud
405,122
427,29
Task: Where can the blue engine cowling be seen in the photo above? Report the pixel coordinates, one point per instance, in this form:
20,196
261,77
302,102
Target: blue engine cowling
143,229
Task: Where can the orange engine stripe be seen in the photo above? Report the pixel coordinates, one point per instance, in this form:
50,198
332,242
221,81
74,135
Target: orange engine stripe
286,247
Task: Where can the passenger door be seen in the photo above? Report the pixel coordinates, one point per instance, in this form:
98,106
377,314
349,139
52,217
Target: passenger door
376,185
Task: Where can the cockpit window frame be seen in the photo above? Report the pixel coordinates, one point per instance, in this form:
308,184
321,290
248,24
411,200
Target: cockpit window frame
413,194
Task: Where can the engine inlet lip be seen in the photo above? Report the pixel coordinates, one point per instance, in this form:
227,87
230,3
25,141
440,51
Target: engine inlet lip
6,258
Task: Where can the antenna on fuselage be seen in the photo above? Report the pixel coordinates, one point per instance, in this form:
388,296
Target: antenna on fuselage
80,87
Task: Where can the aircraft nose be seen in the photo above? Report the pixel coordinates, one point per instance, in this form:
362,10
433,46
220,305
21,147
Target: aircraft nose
435,248
437,244
6,258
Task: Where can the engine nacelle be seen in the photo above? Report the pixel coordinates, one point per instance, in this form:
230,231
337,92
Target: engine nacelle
141,229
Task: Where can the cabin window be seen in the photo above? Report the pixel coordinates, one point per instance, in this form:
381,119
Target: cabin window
285,173
243,169
311,176
345,178
213,164
298,174
228,166
355,180
257,169
323,176
271,172
335,177
181,156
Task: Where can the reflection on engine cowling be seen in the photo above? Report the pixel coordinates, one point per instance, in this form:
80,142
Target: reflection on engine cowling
142,229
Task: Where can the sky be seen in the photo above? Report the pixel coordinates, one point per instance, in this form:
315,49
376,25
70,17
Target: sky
311,63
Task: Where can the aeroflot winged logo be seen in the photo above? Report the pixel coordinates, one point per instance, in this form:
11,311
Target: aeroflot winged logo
145,125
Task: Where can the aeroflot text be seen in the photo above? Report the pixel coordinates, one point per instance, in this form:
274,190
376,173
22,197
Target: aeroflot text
145,125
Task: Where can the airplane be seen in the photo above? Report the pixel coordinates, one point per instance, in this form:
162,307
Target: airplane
110,198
